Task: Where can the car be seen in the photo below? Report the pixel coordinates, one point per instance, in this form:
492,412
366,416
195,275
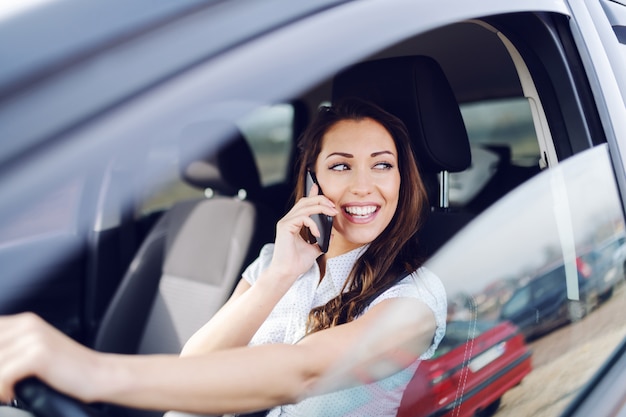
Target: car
543,303
607,260
104,107
488,361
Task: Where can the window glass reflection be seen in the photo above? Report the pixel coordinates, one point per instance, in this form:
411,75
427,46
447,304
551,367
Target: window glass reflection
549,259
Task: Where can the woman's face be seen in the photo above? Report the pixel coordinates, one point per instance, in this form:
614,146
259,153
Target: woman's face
357,169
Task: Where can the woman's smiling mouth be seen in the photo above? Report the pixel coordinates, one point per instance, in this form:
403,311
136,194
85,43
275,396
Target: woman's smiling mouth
360,212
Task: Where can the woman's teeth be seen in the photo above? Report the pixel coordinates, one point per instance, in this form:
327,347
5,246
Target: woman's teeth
360,211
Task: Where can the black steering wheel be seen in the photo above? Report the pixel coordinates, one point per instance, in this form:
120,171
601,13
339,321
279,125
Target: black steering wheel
43,401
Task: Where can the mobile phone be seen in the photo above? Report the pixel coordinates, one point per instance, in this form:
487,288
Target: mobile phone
324,223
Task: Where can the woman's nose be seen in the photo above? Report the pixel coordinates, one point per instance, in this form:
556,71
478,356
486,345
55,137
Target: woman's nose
362,183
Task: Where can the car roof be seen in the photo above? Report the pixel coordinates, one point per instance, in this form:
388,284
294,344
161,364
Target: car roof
38,41
205,41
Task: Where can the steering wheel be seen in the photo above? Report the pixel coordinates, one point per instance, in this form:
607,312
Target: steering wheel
43,401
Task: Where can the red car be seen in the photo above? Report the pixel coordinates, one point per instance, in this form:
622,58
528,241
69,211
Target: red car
475,364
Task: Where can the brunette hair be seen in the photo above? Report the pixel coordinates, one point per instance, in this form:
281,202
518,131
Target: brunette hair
394,253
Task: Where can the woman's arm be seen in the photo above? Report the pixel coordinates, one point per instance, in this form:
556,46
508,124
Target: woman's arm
238,319
384,340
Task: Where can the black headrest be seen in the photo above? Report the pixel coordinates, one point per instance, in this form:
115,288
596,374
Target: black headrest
415,89
215,155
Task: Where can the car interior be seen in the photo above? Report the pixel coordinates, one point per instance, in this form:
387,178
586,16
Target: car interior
409,83
181,275
168,247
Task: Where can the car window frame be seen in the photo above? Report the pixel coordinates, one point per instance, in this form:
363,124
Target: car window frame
596,43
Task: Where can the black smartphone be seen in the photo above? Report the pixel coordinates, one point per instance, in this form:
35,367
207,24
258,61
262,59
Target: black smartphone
324,223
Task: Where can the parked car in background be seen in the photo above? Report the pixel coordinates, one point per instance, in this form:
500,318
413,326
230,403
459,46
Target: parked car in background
105,104
543,303
476,363
607,260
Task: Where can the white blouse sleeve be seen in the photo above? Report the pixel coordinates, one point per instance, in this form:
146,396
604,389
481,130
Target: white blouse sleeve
252,272
424,285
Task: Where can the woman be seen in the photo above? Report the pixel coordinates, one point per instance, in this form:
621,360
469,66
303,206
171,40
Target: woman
304,332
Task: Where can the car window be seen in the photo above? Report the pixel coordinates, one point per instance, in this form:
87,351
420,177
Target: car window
504,148
549,282
457,335
507,123
518,300
267,129
164,183
533,238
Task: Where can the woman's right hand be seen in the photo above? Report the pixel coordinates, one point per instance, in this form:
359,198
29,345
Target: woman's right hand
293,255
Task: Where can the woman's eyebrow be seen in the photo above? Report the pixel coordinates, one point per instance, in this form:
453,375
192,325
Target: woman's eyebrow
375,154
343,154
349,155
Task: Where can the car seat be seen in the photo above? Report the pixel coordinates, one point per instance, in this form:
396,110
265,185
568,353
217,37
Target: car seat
415,89
193,257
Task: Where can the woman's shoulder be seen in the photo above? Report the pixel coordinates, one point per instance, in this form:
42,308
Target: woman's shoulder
422,284
425,286
422,279
253,270
426,278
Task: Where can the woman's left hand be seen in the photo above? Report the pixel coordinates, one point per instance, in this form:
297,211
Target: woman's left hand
31,347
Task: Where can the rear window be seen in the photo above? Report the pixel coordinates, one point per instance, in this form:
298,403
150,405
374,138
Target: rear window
269,132
505,152
506,124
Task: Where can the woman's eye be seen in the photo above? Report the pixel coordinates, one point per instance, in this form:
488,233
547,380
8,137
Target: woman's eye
339,167
383,165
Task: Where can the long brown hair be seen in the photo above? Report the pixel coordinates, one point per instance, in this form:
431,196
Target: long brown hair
395,250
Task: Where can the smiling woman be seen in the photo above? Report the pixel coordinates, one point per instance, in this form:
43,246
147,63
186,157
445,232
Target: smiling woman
297,312
361,155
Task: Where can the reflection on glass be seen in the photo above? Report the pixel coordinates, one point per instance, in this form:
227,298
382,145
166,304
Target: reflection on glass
549,259
269,130
469,358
